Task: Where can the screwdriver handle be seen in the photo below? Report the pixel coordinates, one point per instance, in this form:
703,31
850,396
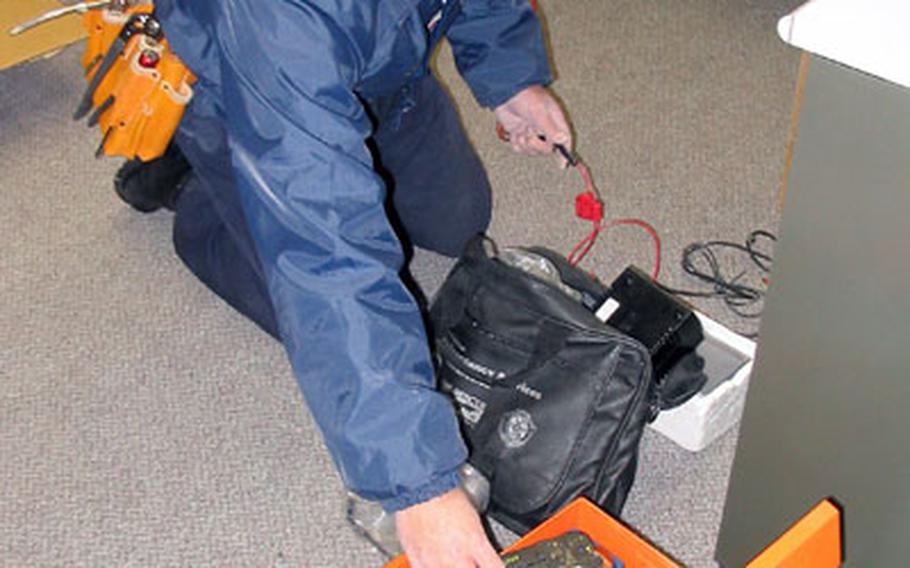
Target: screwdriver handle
79,8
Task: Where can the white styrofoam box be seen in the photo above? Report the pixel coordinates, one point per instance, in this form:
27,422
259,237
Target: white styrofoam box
710,413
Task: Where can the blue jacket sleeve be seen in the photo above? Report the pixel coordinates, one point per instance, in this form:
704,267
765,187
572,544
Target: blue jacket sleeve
499,49
353,332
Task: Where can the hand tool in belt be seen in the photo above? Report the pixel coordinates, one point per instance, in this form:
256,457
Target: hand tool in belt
80,8
142,23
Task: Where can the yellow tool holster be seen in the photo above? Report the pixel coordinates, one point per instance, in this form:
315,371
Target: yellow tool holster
139,100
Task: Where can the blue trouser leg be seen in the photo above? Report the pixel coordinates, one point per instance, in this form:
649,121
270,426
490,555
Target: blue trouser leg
210,231
207,246
439,190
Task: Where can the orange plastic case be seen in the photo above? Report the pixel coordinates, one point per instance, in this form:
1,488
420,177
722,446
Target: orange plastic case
146,103
612,538
813,541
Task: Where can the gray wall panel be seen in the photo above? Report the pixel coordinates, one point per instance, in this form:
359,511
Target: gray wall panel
828,412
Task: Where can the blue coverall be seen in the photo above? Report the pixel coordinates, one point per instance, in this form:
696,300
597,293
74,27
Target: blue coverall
285,216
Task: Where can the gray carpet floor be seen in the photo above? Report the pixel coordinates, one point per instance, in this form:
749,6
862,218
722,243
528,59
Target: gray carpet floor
142,422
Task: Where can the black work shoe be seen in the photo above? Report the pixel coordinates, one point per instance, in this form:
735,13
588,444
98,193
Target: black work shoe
149,186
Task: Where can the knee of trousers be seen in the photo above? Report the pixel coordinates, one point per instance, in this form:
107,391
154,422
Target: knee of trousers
446,226
206,247
193,226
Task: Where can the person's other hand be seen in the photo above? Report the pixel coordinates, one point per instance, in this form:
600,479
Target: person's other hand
445,532
532,113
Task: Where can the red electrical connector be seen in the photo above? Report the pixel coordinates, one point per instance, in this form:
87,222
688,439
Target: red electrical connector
587,206
590,207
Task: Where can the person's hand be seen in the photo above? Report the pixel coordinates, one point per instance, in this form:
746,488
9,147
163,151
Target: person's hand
445,532
531,114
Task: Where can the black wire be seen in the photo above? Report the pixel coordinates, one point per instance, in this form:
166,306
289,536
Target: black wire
757,257
700,260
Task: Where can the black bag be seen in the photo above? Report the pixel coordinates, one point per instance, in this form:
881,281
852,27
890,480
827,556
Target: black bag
553,402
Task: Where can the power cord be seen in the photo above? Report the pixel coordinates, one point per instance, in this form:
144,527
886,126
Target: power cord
589,205
699,259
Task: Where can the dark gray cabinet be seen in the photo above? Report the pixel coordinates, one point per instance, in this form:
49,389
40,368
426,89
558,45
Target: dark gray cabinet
828,411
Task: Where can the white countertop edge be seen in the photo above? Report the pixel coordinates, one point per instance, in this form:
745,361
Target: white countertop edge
870,35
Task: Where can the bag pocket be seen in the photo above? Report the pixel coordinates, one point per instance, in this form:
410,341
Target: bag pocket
524,407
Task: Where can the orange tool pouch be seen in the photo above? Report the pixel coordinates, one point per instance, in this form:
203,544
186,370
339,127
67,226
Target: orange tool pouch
138,89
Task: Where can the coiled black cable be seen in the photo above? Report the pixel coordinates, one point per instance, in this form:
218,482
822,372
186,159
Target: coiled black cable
701,261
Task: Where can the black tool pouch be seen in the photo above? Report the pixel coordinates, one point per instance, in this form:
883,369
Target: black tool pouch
552,401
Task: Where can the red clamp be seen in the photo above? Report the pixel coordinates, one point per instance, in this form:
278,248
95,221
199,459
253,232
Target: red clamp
588,206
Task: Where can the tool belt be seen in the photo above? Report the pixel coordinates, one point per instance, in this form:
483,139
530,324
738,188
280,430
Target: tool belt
137,88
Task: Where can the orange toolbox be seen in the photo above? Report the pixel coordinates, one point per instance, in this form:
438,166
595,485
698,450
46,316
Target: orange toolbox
610,537
815,540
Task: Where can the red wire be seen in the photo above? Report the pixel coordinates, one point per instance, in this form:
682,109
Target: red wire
586,244
586,177
654,237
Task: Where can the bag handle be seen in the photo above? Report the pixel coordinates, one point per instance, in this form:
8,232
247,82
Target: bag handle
476,248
